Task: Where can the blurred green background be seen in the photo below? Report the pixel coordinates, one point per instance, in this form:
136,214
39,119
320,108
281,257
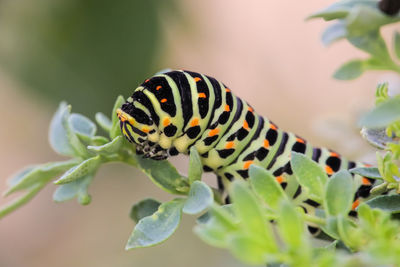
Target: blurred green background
88,52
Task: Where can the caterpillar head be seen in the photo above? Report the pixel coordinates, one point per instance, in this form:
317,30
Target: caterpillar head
139,128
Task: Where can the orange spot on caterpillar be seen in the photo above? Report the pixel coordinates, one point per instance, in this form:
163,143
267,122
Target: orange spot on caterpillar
266,143
229,145
247,164
365,181
328,170
250,109
146,80
367,165
213,132
166,122
227,90
355,204
194,122
272,126
280,179
163,100
227,108
158,87
202,95
300,140
145,130
196,79
246,125
334,154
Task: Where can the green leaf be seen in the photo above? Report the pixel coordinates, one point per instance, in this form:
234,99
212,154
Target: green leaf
266,186
331,228
82,126
247,249
349,70
99,141
85,168
389,203
154,229
77,188
38,174
62,137
383,114
366,214
115,128
397,44
310,175
104,122
58,136
164,175
112,147
339,193
218,227
369,172
291,226
214,236
144,208
200,198
334,33
372,43
251,216
377,137
22,200
195,166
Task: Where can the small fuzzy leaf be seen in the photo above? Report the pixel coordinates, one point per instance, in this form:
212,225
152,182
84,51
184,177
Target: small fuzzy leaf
195,166
339,193
16,178
77,188
85,168
377,137
248,249
330,228
212,235
109,148
164,175
383,114
199,199
144,208
62,137
251,216
266,186
104,122
22,200
82,126
115,128
291,226
389,203
99,141
58,136
334,33
38,174
218,226
349,70
310,175
154,229
367,172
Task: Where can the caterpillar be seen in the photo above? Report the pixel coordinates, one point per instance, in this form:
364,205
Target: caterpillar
172,111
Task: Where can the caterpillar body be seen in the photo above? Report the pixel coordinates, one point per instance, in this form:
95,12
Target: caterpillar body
172,111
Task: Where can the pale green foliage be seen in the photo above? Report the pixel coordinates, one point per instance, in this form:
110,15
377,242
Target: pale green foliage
262,225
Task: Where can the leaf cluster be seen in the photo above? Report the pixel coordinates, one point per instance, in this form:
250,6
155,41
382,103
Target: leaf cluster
360,23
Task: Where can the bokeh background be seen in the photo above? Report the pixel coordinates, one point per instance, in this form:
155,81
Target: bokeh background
88,52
